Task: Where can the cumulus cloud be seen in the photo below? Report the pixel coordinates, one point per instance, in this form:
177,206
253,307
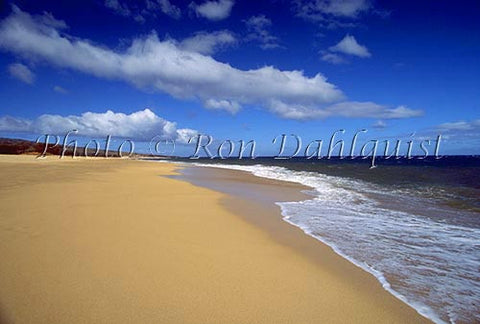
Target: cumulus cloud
213,10
185,134
21,72
258,28
208,43
149,63
349,45
142,125
163,65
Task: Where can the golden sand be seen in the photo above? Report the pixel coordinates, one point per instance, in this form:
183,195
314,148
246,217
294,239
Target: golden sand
112,241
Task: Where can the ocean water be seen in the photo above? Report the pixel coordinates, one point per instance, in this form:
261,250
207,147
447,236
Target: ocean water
416,228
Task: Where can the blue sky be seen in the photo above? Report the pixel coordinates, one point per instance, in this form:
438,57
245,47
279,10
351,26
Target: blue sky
242,70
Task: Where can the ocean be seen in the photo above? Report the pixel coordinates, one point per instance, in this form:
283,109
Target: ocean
414,224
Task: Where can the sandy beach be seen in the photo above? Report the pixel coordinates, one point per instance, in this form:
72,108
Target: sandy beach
122,241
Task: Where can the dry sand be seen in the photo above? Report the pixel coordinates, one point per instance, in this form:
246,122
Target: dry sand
111,241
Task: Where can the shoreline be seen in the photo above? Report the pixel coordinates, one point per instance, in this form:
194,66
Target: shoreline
285,235
109,240
270,193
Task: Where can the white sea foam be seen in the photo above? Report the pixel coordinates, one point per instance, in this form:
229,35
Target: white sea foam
431,265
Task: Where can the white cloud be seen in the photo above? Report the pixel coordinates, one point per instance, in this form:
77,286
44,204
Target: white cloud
21,72
162,65
345,8
170,9
59,89
165,66
208,43
299,112
349,45
355,109
213,10
8,123
142,125
379,124
462,132
460,126
140,12
348,109
139,18
258,27
230,106
331,13
118,7
333,58
184,134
